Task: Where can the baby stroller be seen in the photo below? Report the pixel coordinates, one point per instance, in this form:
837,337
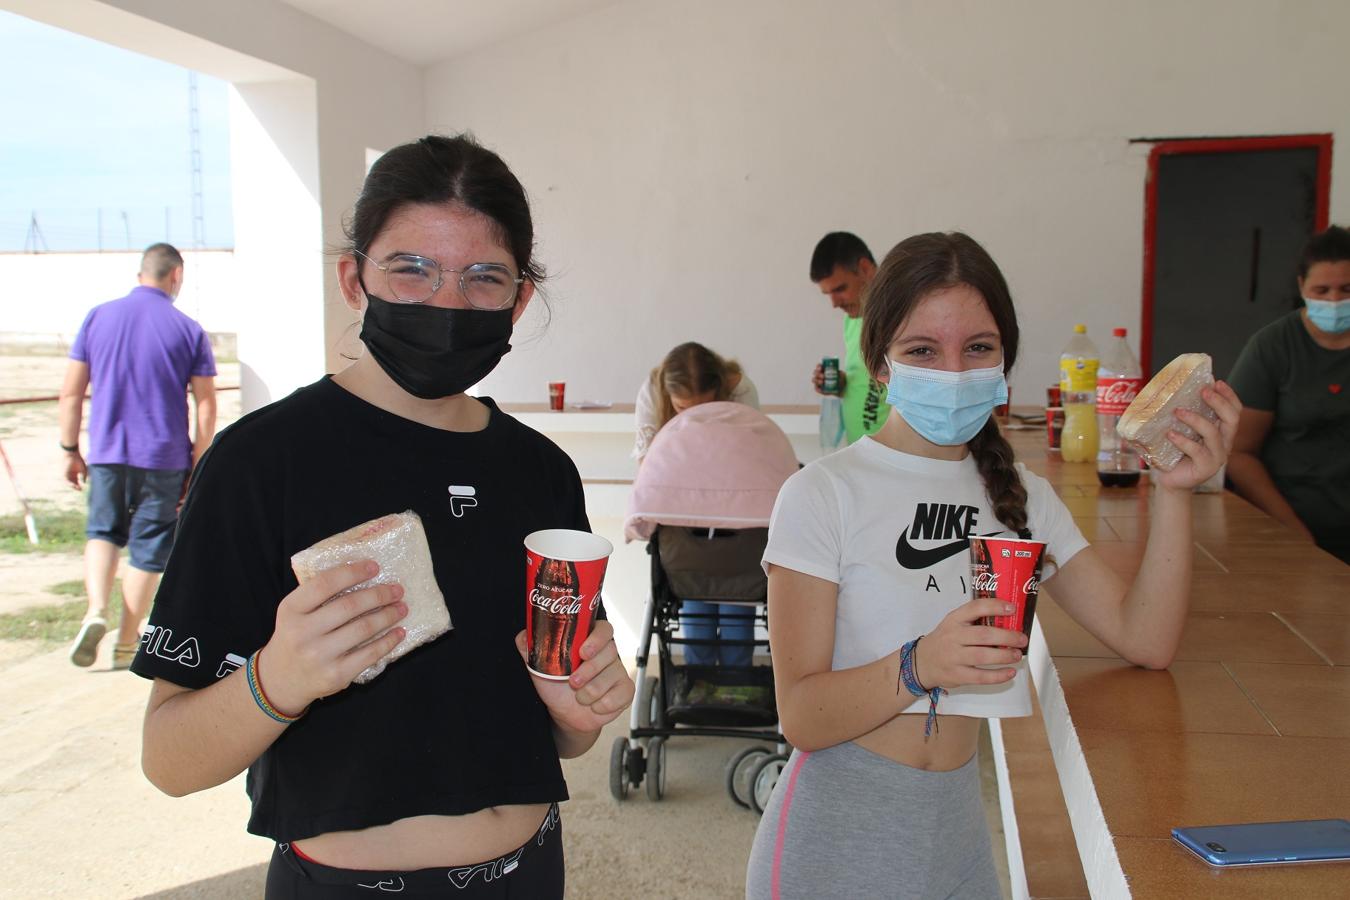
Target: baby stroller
702,500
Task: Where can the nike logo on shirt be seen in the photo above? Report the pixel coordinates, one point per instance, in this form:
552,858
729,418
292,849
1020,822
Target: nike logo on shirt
936,521
911,557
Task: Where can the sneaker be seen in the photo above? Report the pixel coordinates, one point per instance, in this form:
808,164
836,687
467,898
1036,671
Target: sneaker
85,649
123,654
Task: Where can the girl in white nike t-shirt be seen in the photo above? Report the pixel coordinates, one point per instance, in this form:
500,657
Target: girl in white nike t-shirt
866,555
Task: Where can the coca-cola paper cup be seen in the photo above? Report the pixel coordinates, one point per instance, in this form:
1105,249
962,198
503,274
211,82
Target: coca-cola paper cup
1009,569
564,570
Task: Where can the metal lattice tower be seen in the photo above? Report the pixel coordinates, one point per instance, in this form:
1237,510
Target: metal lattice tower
195,158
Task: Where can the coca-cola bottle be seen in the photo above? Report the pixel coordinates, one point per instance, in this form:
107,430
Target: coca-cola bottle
556,604
1118,381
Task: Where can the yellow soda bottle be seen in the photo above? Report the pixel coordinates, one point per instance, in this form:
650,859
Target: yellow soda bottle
1078,391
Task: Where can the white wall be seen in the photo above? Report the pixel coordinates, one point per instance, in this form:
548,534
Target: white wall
70,284
320,97
683,159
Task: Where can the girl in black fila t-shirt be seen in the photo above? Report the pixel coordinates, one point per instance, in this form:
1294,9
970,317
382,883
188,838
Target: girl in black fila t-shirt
442,775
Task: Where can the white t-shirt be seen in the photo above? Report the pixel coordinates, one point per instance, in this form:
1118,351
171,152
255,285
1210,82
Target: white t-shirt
890,529
647,417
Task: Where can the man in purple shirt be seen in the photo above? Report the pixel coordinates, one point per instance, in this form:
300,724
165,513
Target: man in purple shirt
141,356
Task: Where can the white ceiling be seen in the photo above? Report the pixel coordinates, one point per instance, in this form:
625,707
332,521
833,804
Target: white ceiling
428,31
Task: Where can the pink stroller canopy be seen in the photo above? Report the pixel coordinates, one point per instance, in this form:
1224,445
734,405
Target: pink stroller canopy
715,465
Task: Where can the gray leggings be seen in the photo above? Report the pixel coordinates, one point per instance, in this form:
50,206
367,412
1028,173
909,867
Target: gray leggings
845,822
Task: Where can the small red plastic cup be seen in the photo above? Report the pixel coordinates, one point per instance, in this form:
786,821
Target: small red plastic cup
564,571
1054,427
1010,570
556,390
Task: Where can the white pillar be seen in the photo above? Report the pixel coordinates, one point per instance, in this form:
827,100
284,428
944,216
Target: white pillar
279,254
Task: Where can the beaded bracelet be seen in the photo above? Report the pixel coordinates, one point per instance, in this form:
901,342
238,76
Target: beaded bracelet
255,685
909,677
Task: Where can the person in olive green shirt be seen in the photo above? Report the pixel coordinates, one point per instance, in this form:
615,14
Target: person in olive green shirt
842,267
1291,456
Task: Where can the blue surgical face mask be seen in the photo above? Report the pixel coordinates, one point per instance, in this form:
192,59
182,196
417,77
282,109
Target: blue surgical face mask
946,408
1331,316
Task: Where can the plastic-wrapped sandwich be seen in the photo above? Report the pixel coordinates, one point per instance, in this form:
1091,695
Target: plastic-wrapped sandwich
1145,423
399,544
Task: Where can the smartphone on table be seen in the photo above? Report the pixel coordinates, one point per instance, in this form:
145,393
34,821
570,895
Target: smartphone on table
1268,843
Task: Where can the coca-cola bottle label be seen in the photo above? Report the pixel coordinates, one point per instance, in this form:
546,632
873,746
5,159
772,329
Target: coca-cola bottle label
1115,394
561,599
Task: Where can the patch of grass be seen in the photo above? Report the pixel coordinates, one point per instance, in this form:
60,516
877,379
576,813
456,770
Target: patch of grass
56,623
59,530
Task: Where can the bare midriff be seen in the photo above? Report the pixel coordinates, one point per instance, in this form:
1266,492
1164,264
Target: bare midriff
950,746
426,842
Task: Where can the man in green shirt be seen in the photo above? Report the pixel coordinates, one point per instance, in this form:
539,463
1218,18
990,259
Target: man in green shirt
842,267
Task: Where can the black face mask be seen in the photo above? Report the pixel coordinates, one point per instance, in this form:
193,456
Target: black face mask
432,352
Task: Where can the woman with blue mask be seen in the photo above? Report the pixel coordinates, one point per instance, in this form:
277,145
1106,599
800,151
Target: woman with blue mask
1291,456
882,673
441,777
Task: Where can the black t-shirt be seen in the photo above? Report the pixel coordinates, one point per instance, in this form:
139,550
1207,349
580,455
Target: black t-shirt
453,727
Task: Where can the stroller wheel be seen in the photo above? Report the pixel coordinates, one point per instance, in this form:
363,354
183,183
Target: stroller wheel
618,769
763,780
651,704
739,769
656,768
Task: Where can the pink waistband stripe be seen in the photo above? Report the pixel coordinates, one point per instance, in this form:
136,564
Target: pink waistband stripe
789,788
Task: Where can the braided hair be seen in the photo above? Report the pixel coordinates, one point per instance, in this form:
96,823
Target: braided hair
915,268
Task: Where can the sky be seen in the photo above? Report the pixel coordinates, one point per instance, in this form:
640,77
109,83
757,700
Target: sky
90,127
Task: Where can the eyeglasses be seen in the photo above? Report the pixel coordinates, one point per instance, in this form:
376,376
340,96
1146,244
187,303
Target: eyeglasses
414,279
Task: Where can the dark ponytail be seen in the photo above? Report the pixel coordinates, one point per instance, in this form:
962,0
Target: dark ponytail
915,268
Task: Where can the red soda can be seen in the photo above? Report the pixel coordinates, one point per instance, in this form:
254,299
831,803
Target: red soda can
1009,569
564,571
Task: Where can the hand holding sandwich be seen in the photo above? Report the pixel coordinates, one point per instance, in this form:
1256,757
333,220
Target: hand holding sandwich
1204,457
319,647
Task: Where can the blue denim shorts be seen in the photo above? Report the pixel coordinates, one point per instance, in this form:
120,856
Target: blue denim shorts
135,508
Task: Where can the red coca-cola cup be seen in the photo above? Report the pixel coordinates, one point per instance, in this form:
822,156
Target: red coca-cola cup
557,390
1010,570
564,570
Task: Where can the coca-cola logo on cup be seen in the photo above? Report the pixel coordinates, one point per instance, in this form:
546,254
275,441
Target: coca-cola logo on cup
1032,586
559,604
986,581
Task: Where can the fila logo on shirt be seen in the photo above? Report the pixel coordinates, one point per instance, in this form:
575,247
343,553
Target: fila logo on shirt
946,522
159,641
462,497
231,662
